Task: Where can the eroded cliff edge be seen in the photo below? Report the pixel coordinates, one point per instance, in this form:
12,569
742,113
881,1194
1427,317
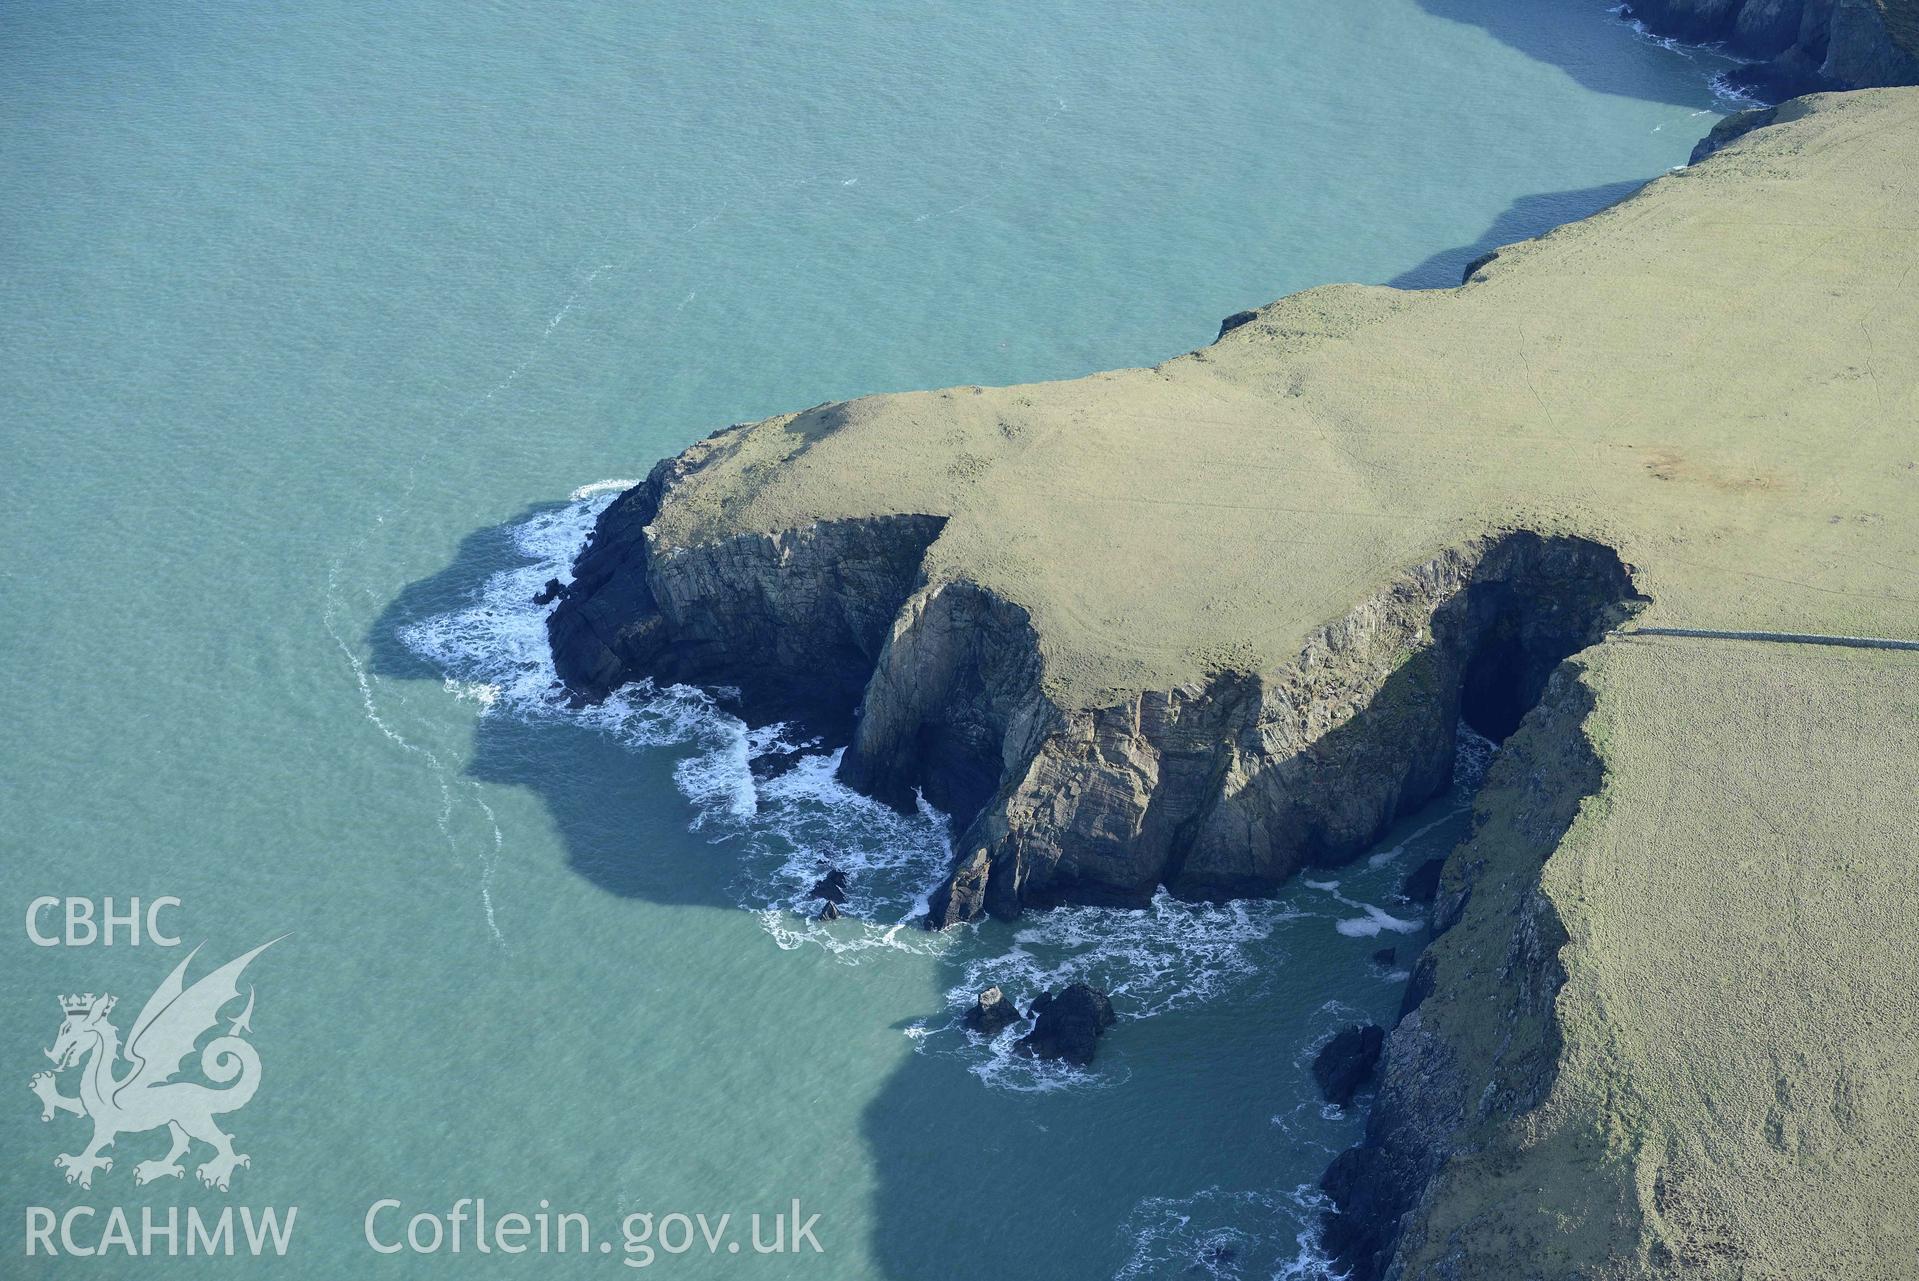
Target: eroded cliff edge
1201,623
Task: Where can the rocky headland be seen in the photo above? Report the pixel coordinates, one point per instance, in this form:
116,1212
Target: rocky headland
1204,624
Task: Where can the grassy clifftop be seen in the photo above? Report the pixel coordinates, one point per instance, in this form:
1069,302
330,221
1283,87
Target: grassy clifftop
1715,377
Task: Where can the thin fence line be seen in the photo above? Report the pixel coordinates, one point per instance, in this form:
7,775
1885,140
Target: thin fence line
1790,638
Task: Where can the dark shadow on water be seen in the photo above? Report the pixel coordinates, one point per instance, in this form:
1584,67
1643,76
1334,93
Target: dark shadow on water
480,555
1176,1160
976,1181
1575,38
1523,219
603,795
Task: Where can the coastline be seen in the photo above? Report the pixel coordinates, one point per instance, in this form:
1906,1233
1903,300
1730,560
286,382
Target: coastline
747,555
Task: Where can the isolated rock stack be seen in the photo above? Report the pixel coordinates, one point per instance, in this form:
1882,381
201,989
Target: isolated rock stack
1068,1024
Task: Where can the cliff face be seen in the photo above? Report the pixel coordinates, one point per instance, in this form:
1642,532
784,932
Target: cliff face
1446,1083
1119,660
1799,46
1218,788
1229,786
1666,1026
793,620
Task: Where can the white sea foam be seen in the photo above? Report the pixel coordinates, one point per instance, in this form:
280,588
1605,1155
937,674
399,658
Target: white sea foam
1644,32
1739,98
1714,50
1170,955
1222,1234
789,829
601,487
1307,1124
1167,956
1374,922
1375,919
1473,755
442,775
1393,852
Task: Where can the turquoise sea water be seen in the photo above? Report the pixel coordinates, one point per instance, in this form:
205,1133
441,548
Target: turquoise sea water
318,325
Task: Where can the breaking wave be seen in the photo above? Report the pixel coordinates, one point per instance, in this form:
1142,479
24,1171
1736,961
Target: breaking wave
1712,57
789,827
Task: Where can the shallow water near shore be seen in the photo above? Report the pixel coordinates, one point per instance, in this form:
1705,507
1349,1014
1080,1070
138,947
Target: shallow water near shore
329,330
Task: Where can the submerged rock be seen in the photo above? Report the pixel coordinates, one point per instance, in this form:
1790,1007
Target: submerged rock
1068,1024
831,887
771,765
1347,1062
1215,745
1098,623
1214,1257
991,1013
1386,956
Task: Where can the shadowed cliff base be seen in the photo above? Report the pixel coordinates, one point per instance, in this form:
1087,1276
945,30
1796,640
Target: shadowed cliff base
938,1135
600,792
1766,49
1532,794
1222,787
1543,30
1673,960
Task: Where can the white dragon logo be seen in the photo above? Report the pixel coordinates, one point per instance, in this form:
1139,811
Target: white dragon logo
146,1097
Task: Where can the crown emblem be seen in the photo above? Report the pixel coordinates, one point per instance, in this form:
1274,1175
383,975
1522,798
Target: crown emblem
83,1004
